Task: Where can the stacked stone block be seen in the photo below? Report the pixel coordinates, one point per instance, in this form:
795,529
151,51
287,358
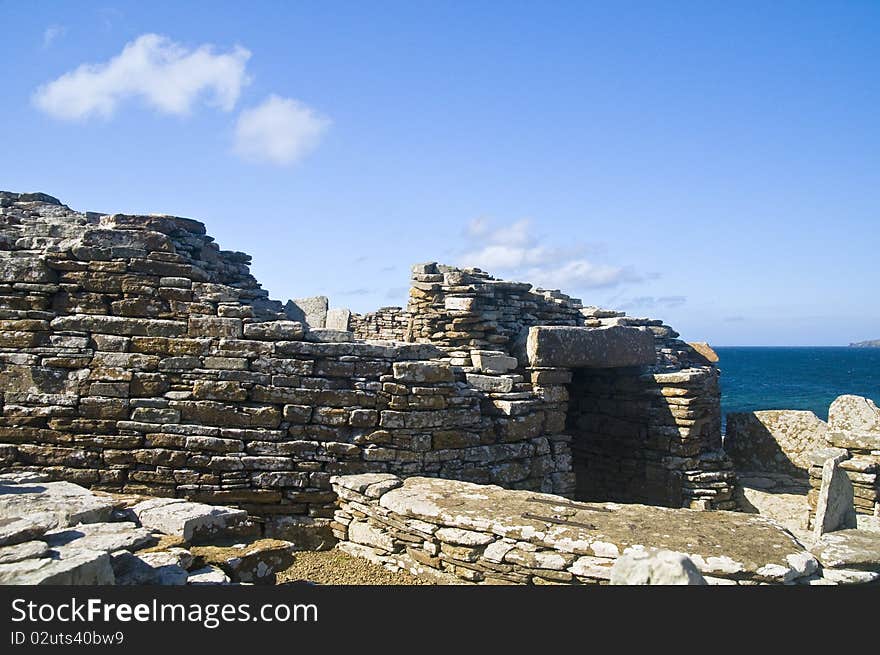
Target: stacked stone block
136,355
853,435
139,357
489,535
386,323
649,437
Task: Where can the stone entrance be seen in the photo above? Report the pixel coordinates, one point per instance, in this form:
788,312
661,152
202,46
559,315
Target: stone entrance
608,423
643,436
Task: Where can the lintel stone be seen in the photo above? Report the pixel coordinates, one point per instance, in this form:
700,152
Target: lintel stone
578,347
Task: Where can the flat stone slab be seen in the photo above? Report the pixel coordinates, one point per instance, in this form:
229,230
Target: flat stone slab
66,503
108,537
577,347
188,520
19,529
208,575
722,544
22,551
849,549
327,335
87,567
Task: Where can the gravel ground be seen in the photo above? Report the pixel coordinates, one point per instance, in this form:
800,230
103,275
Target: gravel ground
333,567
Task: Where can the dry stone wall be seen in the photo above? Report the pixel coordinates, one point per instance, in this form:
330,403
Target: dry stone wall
775,441
643,429
649,437
137,356
853,437
388,323
489,535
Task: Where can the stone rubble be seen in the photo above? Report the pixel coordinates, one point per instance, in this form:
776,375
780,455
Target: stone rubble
82,538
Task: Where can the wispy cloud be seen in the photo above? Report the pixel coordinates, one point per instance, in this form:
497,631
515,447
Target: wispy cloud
167,76
515,250
734,319
278,131
51,33
653,302
361,291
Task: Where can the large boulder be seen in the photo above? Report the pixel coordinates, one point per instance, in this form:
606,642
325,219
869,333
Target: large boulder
578,347
850,413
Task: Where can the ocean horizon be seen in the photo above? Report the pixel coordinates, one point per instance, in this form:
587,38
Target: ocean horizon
757,378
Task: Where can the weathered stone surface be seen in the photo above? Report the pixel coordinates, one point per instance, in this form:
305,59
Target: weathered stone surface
864,441
119,325
338,318
834,508
849,549
22,551
191,521
463,537
704,350
257,562
361,532
312,312
774,440
721,544
850,413
493,362
274,331
66,503
108,537
147,569
791,510
575,347
82,568
208,575
426,372
15,529
663,567
491,383
327,335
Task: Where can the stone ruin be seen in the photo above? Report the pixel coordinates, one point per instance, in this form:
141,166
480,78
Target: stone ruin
138,358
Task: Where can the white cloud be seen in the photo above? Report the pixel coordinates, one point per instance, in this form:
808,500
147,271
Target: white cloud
51,33
653,302
279,131
514,251
165,75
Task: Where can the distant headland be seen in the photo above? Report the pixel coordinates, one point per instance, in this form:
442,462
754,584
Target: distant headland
873,343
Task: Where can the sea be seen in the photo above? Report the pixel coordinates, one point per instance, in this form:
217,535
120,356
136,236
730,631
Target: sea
754,378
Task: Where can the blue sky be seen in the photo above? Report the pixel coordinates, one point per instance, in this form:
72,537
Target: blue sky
713,164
